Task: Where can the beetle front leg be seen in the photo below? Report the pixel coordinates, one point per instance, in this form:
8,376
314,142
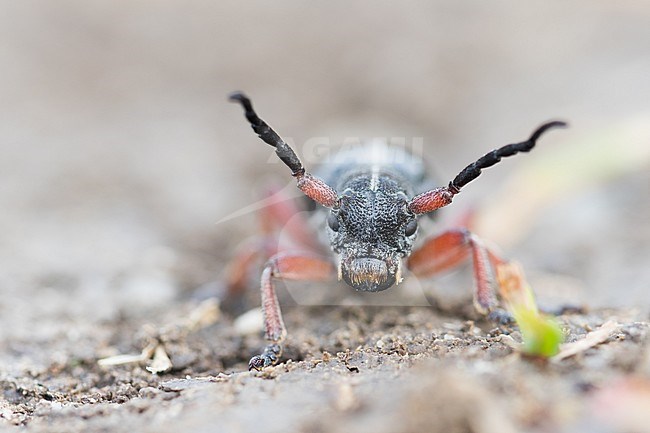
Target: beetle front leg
449,250
301,267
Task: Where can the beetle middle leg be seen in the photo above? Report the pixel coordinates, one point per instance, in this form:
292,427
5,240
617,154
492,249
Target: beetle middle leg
279,213
287,266
450,249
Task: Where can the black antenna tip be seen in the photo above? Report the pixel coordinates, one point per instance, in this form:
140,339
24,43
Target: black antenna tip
242,99
237,96
545,127
558,124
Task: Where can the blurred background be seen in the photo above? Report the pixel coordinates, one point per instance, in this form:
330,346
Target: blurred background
119,151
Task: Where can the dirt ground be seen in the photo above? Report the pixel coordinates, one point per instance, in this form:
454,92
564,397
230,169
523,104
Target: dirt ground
119,153
380,369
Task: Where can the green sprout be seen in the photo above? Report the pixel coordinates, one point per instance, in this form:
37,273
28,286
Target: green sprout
541,334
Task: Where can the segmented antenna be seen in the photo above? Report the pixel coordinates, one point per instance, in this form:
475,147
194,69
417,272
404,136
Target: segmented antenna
268,135
473,170
312,186
438,197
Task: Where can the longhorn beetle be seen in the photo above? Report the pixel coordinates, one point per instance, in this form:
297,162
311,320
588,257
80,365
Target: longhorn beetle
371,216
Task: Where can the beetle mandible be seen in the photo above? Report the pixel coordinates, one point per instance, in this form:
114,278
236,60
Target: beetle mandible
372,207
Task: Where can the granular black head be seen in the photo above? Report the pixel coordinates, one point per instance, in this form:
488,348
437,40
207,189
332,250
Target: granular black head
372,229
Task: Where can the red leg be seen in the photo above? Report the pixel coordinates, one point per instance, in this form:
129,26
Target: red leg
277,215
248,254
448,250
289,267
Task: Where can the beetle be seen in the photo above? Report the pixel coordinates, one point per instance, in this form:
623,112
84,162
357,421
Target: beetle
371,202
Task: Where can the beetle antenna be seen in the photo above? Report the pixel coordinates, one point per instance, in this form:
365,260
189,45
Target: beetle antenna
473,170
439,197
313,187
267,134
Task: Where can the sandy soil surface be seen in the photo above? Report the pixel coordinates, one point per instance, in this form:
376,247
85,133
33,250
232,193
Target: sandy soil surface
119,154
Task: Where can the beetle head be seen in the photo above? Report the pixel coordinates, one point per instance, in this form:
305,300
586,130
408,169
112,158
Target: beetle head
372,229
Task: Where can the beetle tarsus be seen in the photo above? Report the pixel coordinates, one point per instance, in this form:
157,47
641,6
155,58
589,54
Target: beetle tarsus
268,357
501,317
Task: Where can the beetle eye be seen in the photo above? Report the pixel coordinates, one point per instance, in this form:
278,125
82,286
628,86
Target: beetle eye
333,221
410,228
